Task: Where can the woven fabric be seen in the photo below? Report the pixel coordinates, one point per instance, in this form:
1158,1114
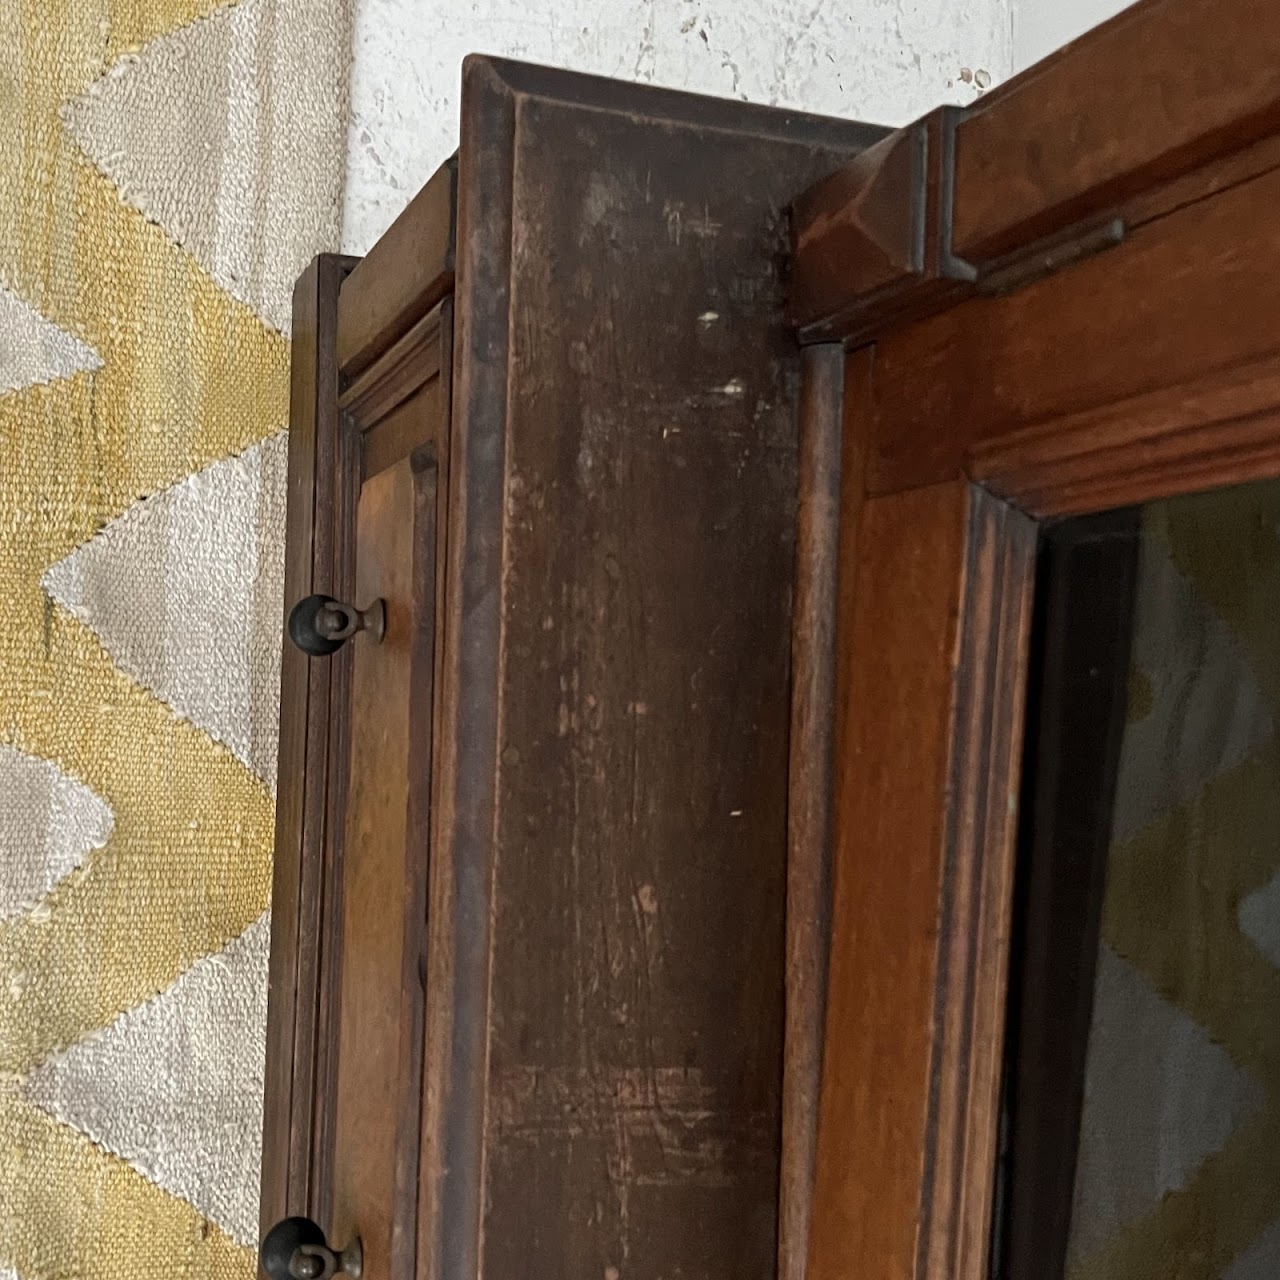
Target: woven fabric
170,166
213,540
33,350
50,823
1179,1164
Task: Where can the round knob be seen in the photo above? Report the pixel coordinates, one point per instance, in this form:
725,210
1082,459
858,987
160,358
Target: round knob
321,625
296,1249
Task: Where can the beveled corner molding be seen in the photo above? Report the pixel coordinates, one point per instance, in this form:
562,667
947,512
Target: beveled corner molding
874,243
874,240
1051,167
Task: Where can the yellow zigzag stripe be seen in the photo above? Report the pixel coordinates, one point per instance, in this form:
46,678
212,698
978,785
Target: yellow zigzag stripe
86,1214
75,455
1197,1232
1204,534
189,376
187,867
133,23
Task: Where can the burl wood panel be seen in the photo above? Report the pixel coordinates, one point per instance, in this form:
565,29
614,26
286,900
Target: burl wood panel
626,421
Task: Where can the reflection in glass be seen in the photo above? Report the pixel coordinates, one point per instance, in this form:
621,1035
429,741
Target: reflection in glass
1143,1098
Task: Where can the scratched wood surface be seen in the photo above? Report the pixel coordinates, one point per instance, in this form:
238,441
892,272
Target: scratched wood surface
602,764
635,1021
389,517
366,496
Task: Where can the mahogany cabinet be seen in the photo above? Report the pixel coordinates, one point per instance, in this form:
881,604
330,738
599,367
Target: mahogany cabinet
1059,302
527,1007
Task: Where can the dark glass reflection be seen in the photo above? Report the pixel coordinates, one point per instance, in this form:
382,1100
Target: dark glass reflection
1143,1085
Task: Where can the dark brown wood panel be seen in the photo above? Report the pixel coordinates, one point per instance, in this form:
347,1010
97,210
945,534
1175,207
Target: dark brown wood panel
649,780
384,871
402,277
587,1075
809,791
394,437
395,423
297,886
343,516
459,938
440,907
624,671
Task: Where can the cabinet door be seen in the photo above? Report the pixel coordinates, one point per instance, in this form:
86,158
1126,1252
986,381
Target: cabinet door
1058,302
368,482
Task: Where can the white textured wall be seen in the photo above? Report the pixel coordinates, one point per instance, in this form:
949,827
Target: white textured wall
1041,26
881,60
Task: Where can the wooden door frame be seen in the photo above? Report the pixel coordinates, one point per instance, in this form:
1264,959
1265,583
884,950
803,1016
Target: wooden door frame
1061,300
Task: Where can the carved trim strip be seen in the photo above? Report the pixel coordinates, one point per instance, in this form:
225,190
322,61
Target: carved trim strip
977,892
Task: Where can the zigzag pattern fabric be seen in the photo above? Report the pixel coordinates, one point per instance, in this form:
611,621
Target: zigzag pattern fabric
171,165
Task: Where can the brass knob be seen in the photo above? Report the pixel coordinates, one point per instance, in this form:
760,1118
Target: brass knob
296,1249
321,625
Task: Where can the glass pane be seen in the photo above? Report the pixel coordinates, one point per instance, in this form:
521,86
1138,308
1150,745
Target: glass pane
1144,1086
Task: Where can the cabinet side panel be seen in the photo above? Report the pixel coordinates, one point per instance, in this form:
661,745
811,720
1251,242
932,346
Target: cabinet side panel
636,997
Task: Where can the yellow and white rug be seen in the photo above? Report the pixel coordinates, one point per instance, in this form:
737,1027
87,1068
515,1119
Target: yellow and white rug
169,166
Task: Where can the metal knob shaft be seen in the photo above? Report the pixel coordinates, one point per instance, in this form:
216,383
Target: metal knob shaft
321,625
296,1249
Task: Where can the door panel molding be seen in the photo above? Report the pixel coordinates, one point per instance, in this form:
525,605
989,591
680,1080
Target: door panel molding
1050,167
1129,373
